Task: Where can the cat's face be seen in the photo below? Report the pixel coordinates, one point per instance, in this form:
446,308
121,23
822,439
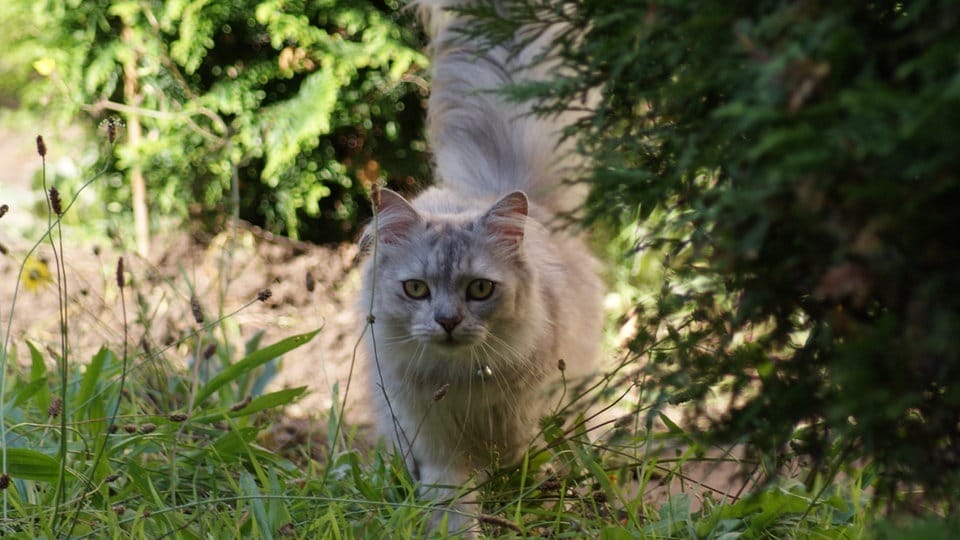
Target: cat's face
449,282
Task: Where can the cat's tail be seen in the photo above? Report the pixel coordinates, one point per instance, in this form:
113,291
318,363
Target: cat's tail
484,144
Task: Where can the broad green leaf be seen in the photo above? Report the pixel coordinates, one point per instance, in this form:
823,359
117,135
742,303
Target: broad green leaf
251,362
24,393
250,489
91,377
271,400
264,402
28,464
38,370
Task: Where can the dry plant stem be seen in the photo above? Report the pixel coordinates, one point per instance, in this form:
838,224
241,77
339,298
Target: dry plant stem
13,306
368,327
61,493
116,406
226,262
138,185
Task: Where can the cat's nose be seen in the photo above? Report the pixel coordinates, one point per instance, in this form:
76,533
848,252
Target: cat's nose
448,322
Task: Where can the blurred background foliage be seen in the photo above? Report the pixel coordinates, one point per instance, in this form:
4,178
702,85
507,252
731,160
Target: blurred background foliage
794,166
301,106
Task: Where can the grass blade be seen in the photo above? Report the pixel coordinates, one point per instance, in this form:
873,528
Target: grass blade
252,361
28,464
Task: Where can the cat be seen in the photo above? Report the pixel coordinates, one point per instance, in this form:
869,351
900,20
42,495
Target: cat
480,309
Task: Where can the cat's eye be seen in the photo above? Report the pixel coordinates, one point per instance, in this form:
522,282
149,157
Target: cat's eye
416,289
480,289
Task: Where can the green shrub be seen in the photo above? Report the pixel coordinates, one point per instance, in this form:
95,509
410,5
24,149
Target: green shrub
300,105
795,165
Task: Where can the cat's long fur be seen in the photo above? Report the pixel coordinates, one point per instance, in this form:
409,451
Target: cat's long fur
500,172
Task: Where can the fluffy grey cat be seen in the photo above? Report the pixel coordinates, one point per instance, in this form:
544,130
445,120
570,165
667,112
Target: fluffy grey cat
470,292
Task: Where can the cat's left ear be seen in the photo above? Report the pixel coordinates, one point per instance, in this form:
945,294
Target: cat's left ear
505,221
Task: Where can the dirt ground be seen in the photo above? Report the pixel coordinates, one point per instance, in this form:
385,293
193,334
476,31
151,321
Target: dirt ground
225,273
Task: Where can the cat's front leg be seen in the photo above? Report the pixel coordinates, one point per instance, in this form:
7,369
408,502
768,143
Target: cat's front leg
454,496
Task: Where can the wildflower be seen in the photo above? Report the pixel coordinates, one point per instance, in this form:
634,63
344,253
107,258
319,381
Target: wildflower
55,203
55,408
35,274
111,126
195,308
120,281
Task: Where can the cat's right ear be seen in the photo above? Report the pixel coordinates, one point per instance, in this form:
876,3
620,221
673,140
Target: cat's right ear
395,217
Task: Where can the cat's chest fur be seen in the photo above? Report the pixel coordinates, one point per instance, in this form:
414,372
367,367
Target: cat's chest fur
485,417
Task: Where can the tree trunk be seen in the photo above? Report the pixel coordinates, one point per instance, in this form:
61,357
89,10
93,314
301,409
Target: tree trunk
138,185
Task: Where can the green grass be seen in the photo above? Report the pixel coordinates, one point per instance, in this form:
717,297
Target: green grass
123,444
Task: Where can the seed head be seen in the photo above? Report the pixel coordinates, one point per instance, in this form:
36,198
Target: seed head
148,428
111,130
130,428
264,295
4,208
55,201
41,146
4,481
55,408
311,283
120,280
288,529
240,404
209,351
120,509
441,392
112,477
195,308
562,365
178,417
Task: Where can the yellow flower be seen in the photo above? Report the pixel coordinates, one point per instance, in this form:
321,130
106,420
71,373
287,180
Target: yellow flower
35,274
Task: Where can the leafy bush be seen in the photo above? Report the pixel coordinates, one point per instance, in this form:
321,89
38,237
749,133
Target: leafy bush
297,106
795,166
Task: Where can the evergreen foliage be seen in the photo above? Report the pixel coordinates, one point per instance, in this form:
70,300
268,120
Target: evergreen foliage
304,105
795,166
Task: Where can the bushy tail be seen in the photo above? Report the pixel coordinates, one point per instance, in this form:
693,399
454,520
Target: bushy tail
485,145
